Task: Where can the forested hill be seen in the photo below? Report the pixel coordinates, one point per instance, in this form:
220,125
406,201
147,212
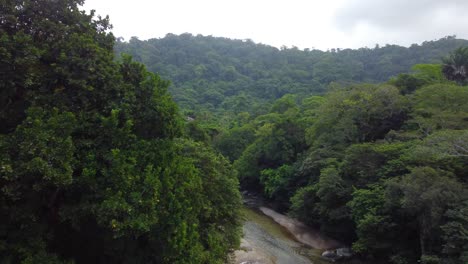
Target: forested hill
381,166
210,73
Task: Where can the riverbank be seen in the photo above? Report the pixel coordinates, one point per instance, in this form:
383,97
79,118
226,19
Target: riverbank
273,238
266,242
301,232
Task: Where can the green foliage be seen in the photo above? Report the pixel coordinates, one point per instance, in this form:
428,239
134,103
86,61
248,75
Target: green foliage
441,106
323,204
430,259
384,167
97,165
274,180
303,205
220,202
408,83
423,74
372,224
92,167
331,189
228,76
444,149
278,139
341,161
456,65
370,162
427,194
455,233
431,73
233,142
358,114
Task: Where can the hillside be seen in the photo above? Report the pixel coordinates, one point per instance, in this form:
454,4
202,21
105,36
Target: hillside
99,163
378,161
220,74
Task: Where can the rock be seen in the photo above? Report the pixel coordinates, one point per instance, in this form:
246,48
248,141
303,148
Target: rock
337,254
247,249
344,252
330,254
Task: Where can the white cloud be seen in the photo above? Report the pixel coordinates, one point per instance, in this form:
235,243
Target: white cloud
303,23
401,21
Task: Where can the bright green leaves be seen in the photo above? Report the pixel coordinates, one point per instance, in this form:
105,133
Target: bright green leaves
422,74
441,106
274,180
431,73
372,222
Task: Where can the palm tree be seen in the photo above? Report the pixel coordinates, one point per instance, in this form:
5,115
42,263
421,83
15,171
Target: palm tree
455,66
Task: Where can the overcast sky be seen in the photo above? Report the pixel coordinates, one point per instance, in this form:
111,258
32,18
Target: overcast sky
321,24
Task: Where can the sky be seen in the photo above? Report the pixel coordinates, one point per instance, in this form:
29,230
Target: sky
313,24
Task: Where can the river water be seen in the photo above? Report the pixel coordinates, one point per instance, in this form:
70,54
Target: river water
265,241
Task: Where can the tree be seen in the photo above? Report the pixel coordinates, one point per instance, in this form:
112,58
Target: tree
220,224
233,142
422,74
91,167
427,194
275,180
440,106
373,225
358,114
43,46
455,66
455,233
279,138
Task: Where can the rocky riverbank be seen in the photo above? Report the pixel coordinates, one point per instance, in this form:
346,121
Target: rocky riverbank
271,237
301,232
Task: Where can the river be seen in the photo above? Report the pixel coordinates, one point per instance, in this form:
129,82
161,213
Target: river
267,241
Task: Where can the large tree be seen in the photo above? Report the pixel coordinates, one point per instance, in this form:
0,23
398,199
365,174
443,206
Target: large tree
90,168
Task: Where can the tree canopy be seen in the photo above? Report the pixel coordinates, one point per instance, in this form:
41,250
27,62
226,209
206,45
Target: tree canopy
224,77
94,163
380,166
98,164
